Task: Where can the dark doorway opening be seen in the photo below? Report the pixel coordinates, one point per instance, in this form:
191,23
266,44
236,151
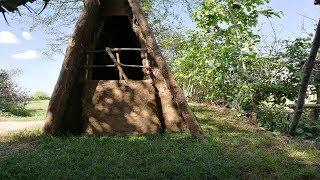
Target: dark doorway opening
117,33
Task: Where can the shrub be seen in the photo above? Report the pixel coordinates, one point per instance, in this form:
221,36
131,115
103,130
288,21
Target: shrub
13,108
12,98
274,118
277,119
39,95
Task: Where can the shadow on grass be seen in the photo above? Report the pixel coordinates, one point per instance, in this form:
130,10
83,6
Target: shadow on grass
18,142
230,151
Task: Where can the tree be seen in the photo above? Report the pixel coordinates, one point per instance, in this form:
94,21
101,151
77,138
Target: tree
220,61
61,18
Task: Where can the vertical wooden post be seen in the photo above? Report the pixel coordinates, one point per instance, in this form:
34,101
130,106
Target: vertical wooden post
145,64
307,69
118,61
86,78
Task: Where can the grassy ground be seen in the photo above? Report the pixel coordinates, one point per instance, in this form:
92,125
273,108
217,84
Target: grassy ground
232,149
36,109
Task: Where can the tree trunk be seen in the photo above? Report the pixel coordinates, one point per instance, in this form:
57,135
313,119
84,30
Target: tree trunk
307,69
64,112
162,73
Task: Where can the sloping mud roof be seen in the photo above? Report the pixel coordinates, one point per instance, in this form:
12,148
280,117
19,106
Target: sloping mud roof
116,8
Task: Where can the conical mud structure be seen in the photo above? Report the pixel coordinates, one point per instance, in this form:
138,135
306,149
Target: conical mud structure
114,79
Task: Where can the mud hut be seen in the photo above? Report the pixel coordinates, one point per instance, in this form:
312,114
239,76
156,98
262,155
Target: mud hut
114,79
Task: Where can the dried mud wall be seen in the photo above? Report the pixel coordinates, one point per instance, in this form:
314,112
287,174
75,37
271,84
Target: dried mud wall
120,108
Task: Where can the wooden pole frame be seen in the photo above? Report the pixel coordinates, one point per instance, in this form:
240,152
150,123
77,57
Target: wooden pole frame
116,61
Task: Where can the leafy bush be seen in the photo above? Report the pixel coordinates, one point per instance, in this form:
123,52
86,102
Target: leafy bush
277,119
39,95
12,98
221,61
13,108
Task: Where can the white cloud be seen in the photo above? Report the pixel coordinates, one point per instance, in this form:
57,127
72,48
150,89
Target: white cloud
27,55
26,35
7,37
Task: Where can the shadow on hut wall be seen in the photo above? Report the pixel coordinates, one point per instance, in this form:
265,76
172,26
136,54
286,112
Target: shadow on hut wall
121,108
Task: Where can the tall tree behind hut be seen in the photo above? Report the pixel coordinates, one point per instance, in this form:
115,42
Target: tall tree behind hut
59,20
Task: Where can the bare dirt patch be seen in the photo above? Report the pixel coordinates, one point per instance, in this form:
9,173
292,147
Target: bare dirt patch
12,127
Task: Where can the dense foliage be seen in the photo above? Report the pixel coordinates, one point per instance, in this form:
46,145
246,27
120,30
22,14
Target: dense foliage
286,87
220,60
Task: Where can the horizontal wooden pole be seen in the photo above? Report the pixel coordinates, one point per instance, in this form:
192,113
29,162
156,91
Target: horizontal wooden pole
97,81
301,63
122,65
117,49
126,49
308,106
100,66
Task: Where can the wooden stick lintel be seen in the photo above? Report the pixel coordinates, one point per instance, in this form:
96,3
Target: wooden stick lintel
110,66
117,50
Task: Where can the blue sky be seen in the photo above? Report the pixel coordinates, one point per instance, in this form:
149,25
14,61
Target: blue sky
293,20
21,49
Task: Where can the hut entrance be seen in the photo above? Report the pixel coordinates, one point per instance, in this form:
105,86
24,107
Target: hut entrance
118,53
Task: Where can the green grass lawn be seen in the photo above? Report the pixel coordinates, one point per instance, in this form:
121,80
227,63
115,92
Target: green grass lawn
232,150
37,110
